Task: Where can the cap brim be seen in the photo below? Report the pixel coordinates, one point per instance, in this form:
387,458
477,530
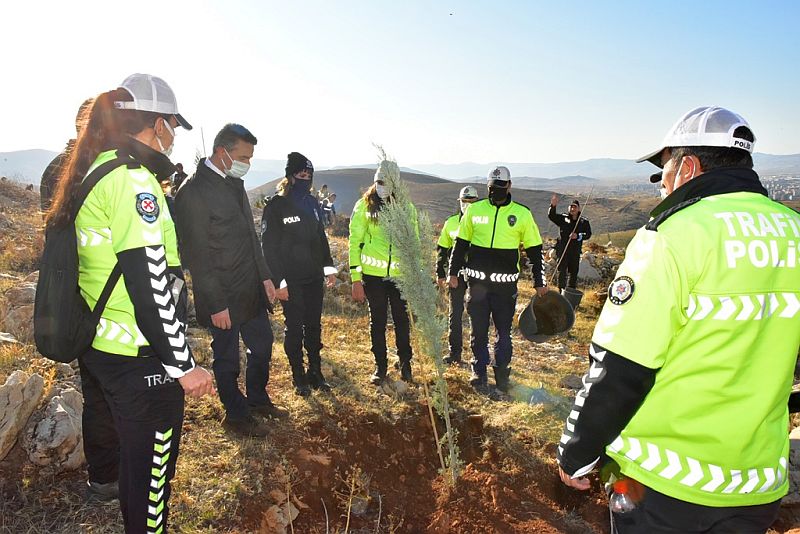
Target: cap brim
500,183
183,122
655,177
653,157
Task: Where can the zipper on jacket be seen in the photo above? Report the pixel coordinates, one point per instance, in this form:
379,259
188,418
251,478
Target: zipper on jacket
494,225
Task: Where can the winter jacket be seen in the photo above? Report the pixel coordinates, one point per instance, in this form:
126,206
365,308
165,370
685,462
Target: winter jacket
219,246
294,242
488,241
370,249
566,227
124,220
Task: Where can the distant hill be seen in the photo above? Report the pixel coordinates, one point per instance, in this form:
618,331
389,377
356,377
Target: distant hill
28,165
599,168
438,197
25,165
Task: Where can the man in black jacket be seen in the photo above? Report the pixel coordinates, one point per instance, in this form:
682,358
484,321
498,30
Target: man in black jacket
231,280
298,255
574,230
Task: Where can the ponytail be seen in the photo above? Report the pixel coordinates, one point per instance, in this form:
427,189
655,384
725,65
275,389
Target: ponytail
100,124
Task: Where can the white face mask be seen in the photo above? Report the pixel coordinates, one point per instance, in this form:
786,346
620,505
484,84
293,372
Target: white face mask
382,191
464,206
237,168
168,151
663,191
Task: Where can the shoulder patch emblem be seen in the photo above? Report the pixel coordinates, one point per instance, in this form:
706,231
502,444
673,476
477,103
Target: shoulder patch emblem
512,220
621,290
147,206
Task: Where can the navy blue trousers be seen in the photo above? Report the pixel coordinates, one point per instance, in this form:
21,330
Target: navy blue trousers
257,336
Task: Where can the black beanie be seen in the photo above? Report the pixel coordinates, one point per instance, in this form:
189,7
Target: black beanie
296,162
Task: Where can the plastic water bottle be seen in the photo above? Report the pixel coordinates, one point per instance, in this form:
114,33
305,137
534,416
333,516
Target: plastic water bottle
620,501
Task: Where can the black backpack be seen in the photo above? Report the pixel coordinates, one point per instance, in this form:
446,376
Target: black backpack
63,325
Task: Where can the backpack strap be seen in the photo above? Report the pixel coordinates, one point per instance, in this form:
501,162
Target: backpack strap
86,187
98,174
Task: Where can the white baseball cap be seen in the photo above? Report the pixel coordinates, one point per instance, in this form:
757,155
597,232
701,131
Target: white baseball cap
703,126
467,192
499,176
151,93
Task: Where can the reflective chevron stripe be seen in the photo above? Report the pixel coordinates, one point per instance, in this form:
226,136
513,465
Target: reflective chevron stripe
493,277
503,277
694,473
373,262
121,333
92,237
472,273
743,307
157,266
158,478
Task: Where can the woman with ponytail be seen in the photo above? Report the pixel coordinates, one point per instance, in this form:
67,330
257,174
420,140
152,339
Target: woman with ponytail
139,367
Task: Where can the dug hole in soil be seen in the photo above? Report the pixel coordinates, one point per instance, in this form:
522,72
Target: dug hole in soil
392,471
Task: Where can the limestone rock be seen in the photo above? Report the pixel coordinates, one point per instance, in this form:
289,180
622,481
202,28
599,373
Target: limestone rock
5,337
587,271
18,399
19,322
55,440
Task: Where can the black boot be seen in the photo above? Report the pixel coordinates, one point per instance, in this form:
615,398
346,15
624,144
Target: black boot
300,380
379,375
501,375
405,372
478,380
315,377
452,359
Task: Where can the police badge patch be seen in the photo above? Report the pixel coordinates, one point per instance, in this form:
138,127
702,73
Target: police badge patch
621,290
512,220
147,206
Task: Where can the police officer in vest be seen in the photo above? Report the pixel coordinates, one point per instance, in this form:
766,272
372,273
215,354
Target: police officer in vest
573,231
140,365
693,353
466,196
487,249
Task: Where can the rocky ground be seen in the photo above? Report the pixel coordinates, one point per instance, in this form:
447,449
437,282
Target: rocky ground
361,459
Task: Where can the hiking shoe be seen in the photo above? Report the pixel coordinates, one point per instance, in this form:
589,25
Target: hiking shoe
302,390
270,411
97,492
452,360
247,427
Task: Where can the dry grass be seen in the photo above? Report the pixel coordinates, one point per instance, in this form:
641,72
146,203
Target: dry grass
221,478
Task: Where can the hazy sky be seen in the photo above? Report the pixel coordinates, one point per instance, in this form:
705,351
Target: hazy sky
535,81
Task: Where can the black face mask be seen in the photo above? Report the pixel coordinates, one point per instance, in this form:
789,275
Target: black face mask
498,195
302,186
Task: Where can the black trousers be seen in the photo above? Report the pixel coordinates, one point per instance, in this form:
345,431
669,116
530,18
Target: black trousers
455,338
302,322
569,265
146,408
484,302
382,295
657,513
257,336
